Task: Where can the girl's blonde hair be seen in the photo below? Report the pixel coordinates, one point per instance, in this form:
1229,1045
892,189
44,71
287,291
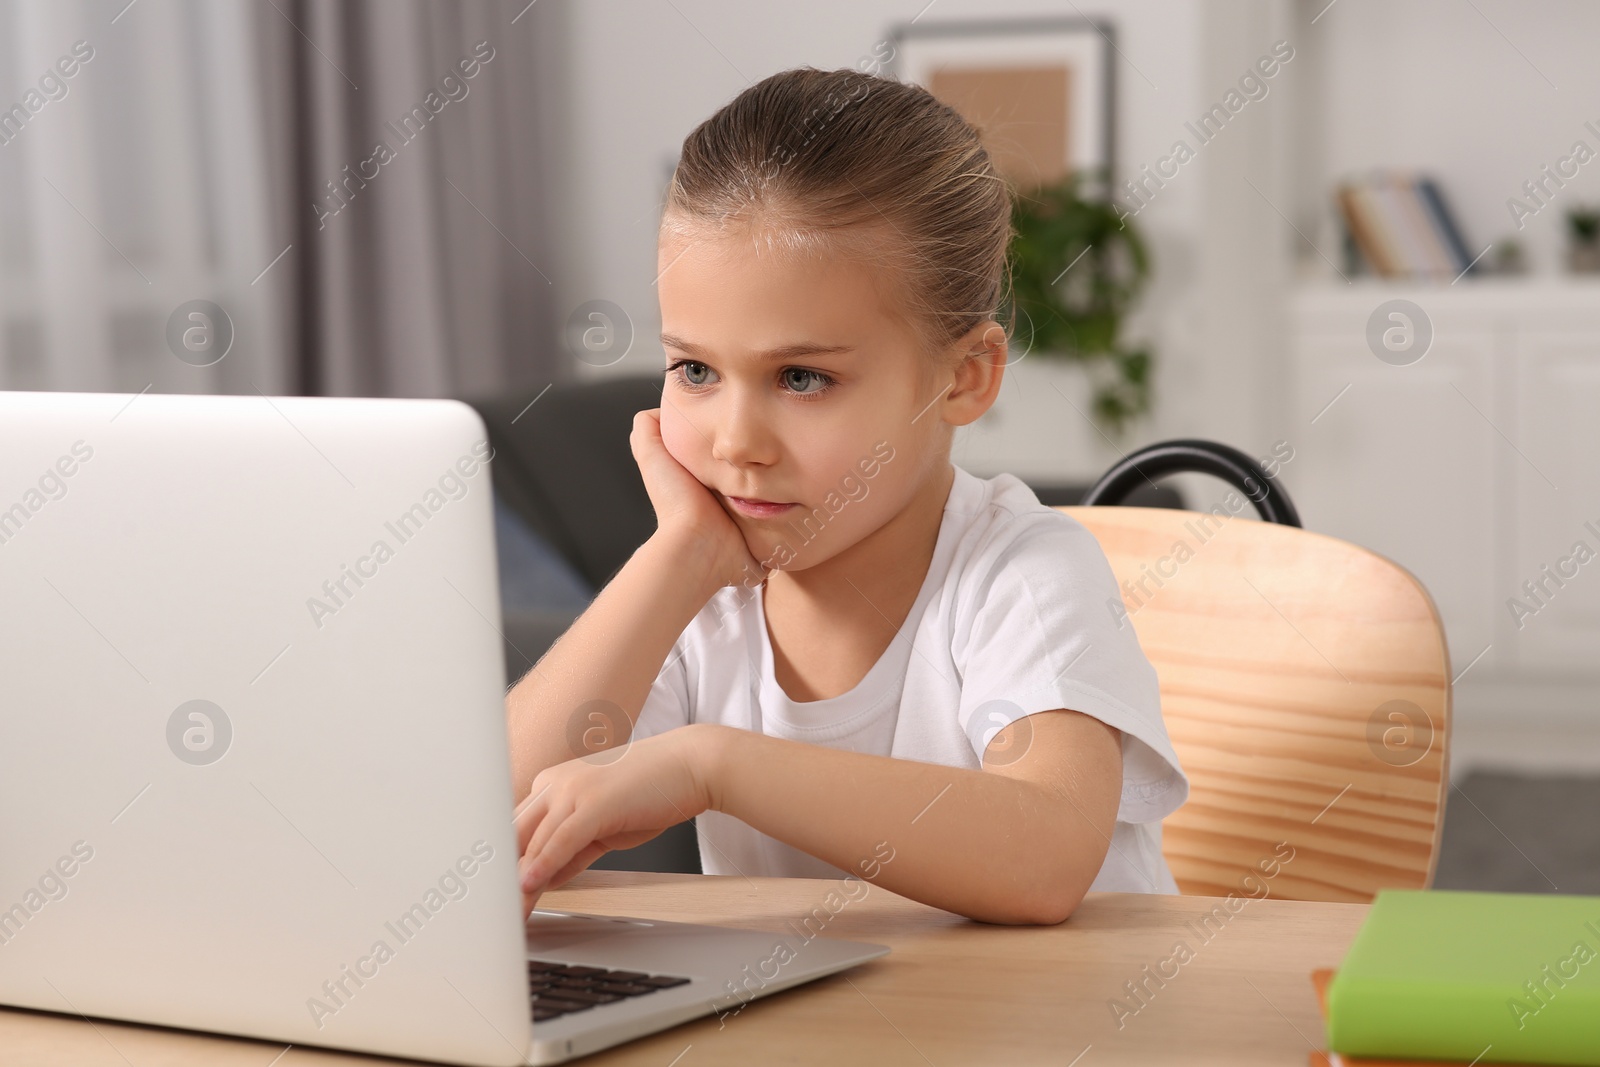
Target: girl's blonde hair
841,161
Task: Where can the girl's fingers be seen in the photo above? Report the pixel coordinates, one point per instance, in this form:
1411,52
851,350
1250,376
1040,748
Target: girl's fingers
524,820
579,864
558,850
539,837
527,801
529,814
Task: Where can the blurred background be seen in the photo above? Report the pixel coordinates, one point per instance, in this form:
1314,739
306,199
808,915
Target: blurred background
1357,239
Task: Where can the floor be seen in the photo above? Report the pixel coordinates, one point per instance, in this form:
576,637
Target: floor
1521,832
1523,813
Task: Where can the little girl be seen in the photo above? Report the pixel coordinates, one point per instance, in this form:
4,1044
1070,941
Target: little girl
840,654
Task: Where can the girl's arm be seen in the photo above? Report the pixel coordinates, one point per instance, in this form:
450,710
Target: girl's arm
602,668
611,653
1018,842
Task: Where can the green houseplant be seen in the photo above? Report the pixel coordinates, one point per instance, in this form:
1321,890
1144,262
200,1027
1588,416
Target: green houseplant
1077,266
1583,232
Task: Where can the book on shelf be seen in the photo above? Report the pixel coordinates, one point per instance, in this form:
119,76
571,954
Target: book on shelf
1445,977
1402,227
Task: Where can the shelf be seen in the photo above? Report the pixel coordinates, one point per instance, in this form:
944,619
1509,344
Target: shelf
1564,301
1492,285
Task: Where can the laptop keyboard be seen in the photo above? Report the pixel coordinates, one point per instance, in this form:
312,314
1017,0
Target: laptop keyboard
559,989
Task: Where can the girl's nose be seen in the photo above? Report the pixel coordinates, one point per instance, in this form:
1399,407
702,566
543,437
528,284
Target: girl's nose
742,436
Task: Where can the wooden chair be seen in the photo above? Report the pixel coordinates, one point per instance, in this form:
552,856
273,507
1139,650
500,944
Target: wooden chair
1305,683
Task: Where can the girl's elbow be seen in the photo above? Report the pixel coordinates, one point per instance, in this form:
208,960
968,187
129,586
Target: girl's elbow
1057,908
1046,908
1059,901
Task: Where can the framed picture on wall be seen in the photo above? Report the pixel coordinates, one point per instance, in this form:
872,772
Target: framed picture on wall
1040,90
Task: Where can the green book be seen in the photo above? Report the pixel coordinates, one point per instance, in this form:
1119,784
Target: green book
1484,977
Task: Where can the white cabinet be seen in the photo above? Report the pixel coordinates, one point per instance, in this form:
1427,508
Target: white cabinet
1555,512
1476,467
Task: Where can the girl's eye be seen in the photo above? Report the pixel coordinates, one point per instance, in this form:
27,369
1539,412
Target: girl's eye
795,379
684,365
824,382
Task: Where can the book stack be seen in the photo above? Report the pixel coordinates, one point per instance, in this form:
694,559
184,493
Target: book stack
1447,977
1402,227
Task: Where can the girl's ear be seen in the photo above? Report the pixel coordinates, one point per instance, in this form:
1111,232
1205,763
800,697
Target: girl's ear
982,354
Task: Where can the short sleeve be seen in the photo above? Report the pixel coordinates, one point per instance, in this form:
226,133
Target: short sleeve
667,705
1043,634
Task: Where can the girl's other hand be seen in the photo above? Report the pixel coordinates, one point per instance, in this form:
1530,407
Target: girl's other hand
620,798
687,509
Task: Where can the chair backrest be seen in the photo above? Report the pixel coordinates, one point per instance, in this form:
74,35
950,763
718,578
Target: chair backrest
1305,683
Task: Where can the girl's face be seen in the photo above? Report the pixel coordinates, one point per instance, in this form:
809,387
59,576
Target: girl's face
789,381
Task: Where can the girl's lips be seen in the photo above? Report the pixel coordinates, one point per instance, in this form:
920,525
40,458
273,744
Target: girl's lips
757,509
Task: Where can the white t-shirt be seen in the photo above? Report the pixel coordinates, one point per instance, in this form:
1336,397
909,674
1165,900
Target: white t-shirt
1013,618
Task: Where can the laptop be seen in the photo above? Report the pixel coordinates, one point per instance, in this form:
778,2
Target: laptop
254,775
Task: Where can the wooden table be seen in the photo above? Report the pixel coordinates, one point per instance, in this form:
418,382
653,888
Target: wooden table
952,991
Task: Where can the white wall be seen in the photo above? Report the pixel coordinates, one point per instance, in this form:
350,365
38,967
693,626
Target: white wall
1482,94
644,75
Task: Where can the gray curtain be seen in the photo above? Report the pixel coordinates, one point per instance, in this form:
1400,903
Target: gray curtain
410,145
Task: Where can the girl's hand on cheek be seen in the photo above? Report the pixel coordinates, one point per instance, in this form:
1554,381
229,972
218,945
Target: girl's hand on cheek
684,507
